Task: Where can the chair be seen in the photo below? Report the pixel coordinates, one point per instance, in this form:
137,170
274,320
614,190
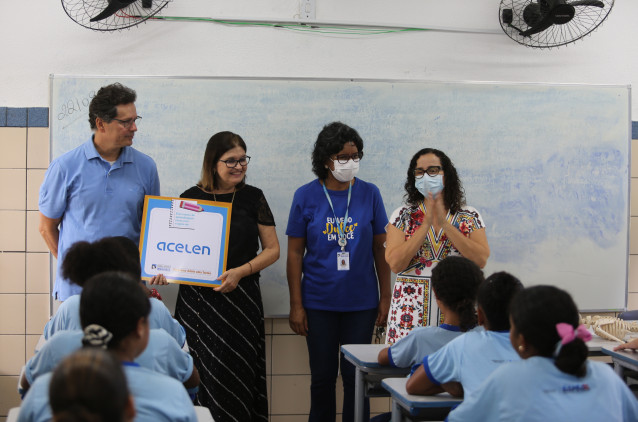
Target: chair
629,315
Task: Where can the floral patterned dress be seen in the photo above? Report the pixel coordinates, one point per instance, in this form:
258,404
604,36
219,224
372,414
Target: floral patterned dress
413,303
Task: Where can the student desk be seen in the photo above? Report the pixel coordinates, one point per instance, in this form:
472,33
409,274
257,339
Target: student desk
407,407
368,373
597,344
622,359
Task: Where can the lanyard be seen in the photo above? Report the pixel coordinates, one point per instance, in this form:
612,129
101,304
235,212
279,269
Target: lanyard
340,231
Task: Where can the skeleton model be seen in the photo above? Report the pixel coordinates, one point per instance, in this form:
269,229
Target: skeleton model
609,328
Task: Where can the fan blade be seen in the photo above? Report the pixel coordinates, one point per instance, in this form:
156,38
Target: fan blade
594,3
539,27
112,8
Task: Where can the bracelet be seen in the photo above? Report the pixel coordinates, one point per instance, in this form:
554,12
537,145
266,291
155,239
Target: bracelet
251,267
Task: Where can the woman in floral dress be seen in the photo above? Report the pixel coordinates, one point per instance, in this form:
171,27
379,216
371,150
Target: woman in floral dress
434,223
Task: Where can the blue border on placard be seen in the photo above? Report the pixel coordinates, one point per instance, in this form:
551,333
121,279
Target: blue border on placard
166,203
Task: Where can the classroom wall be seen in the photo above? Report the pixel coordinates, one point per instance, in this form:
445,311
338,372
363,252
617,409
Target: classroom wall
39,39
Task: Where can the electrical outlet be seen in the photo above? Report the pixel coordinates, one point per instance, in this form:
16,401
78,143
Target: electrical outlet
308,9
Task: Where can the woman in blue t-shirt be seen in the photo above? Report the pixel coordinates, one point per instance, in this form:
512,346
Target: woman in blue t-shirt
337,275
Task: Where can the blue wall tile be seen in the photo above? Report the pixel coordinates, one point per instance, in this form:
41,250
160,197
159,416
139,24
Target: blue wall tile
3,116
38,117
16,117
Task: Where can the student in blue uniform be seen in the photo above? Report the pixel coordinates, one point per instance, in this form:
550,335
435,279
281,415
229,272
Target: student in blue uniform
554,381
460,366
455,281
90,384
84,260
118,309
163,354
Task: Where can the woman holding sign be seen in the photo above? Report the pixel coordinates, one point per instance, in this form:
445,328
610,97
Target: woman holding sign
338,279
225,325
434,223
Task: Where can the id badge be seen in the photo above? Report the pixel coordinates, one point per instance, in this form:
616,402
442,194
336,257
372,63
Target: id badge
343,261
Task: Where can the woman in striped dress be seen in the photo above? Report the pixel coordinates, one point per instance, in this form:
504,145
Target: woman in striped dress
225,325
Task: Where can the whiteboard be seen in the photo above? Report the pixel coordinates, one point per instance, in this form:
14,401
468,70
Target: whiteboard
547,166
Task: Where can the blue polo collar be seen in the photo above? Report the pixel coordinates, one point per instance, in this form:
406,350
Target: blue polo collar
126,155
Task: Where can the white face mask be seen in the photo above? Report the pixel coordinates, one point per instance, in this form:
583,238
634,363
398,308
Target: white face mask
345,172
428,184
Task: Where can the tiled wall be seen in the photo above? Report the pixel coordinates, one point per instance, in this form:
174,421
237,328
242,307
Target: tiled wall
24,258
24,273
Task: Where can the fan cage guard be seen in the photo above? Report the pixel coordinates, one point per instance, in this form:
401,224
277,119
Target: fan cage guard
81,11
585,21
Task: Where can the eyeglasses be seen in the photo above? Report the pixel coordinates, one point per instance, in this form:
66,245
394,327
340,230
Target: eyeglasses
354,157
128,122
379,334
232,163
431,171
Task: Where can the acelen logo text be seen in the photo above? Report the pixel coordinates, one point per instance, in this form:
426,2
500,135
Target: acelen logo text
183,248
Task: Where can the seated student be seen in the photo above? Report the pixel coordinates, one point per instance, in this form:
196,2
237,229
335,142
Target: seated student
88,385
554,381
84,260
162,355
455,281
462,365
118,309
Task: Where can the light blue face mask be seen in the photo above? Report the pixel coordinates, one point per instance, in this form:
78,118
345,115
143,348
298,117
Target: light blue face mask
428,184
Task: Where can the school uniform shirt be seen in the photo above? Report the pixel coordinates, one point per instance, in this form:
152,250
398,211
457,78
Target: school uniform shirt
156,397
35,405
470,358
162,355
95,199
68,318
323,286
535,390
421,341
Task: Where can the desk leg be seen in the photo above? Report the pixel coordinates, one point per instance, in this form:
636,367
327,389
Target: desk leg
359,395
396,412
618,369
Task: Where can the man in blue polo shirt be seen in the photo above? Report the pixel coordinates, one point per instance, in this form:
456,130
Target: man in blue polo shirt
98,188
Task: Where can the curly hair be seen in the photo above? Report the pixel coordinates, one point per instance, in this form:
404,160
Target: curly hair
104,104
453,193
535,312
455,281
218,145
330,141
83,260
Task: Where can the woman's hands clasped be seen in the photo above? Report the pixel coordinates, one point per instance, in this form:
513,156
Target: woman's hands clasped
437,213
